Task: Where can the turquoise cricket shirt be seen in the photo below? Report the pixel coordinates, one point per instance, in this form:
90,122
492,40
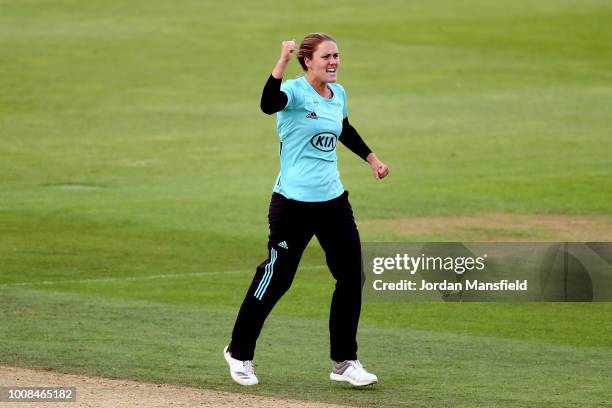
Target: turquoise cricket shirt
309,128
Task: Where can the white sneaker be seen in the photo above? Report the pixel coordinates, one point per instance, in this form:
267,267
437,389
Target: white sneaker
243,372
352,371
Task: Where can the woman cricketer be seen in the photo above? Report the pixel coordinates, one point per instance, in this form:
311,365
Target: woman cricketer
308,199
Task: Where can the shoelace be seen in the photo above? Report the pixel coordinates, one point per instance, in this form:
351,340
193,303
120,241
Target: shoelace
249,367
356,363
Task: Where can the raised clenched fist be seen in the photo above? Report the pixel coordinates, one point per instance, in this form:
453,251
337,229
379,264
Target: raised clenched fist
287,49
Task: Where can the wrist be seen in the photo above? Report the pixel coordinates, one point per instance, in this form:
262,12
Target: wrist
279,69
282,63
371,158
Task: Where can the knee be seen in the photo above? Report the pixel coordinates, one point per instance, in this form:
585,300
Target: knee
275,276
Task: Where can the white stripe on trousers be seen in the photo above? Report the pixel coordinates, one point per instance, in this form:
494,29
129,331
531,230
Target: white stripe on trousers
265,281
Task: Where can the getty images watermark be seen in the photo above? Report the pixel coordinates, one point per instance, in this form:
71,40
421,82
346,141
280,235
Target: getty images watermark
488,271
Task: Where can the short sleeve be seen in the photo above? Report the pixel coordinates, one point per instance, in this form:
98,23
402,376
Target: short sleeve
289,88
342,95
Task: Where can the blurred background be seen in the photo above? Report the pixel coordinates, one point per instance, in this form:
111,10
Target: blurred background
136,170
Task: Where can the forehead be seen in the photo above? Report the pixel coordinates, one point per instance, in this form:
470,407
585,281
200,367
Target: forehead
326,47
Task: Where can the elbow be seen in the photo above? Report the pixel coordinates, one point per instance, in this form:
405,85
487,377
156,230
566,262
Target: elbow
272,103
266,108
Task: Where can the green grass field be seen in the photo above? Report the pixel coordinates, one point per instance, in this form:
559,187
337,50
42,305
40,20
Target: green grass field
136,170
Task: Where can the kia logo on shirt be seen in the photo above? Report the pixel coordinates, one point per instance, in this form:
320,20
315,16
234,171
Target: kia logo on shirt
325,142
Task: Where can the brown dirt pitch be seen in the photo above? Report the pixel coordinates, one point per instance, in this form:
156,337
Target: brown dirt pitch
495,227
94,392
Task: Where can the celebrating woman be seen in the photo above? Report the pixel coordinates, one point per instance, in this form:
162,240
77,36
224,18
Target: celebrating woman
309,199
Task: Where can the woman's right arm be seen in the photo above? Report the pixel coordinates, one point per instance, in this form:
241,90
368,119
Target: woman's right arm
272,98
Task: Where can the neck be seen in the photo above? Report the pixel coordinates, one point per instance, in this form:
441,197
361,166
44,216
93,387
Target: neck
319,86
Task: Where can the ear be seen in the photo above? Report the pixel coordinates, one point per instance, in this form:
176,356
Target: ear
308,62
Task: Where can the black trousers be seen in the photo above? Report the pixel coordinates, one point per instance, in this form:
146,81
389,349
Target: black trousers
292,225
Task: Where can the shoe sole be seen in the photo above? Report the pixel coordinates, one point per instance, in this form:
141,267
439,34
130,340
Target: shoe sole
341,378
236,379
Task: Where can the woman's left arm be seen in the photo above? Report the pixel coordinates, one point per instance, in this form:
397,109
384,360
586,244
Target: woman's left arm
353,141
379,169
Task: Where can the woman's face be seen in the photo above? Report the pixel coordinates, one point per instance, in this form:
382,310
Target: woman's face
325,62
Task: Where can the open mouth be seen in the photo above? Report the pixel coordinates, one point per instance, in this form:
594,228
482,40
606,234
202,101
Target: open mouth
331,70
